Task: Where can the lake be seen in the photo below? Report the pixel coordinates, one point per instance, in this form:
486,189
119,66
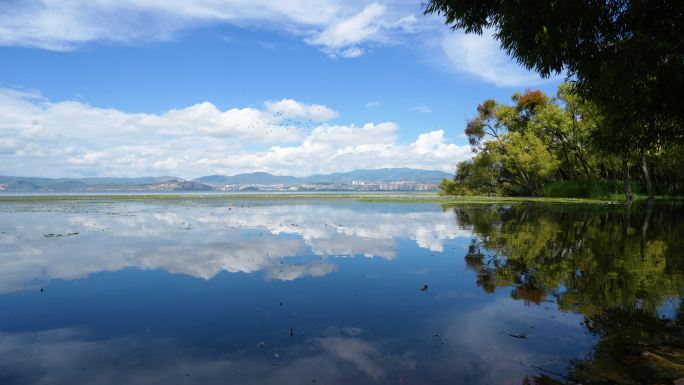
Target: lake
258,291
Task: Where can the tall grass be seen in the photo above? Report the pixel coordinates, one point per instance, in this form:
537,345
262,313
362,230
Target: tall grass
593,188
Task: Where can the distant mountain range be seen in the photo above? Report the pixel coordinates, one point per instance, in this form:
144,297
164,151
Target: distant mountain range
162,183
378,175
248,178
171,183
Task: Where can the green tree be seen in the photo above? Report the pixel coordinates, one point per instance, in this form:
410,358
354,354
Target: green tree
527,162
626,57
543,145
518,147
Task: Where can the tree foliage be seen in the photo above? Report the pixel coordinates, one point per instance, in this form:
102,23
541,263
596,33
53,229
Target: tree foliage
625,56
544,145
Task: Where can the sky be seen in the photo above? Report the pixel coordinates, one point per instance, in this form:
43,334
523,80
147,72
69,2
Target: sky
124,88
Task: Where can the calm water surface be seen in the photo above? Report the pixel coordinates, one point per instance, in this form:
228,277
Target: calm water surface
297,292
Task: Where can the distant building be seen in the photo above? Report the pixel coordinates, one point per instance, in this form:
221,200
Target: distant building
357,185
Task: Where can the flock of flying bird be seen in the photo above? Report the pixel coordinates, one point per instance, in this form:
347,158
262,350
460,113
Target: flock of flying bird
289,124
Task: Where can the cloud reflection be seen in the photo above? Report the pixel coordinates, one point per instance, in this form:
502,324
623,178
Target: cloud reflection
72,355
285,241
478,351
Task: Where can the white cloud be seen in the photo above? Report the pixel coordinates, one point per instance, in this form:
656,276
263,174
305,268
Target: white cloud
351,135
481,57
422,109
345,148
371,25
289,108
342,38
88,158
372,103
7,145
25,115
339,27
44,138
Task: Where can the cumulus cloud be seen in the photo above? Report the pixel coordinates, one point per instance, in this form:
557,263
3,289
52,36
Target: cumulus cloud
289,108
340,28
345,148
29,116
40,137
344,37
480,56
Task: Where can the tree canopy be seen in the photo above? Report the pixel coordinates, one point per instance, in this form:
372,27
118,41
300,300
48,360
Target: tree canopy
545,145
625,56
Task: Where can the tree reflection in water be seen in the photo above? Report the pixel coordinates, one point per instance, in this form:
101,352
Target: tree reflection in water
622,269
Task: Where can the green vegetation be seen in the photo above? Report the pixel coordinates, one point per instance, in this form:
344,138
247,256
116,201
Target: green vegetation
618,267
580,188
546,147
621,116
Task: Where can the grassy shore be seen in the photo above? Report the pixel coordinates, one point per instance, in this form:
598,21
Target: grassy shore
381,197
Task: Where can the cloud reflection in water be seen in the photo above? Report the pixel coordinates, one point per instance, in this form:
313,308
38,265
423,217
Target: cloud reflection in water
203,240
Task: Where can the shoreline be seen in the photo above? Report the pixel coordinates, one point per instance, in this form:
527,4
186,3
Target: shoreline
376,197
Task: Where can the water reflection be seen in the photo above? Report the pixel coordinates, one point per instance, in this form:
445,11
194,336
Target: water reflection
286,292
71,356
621,270
203,240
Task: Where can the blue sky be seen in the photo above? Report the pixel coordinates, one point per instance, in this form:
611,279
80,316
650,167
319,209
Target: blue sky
133,87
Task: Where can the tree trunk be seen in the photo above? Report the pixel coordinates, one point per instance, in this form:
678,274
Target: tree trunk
647,177
528,185
625,225
644,227
647,220
587,169
625,179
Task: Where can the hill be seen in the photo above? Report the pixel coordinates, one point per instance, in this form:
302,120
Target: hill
163,183
380,175
248,178
377,175
171,183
